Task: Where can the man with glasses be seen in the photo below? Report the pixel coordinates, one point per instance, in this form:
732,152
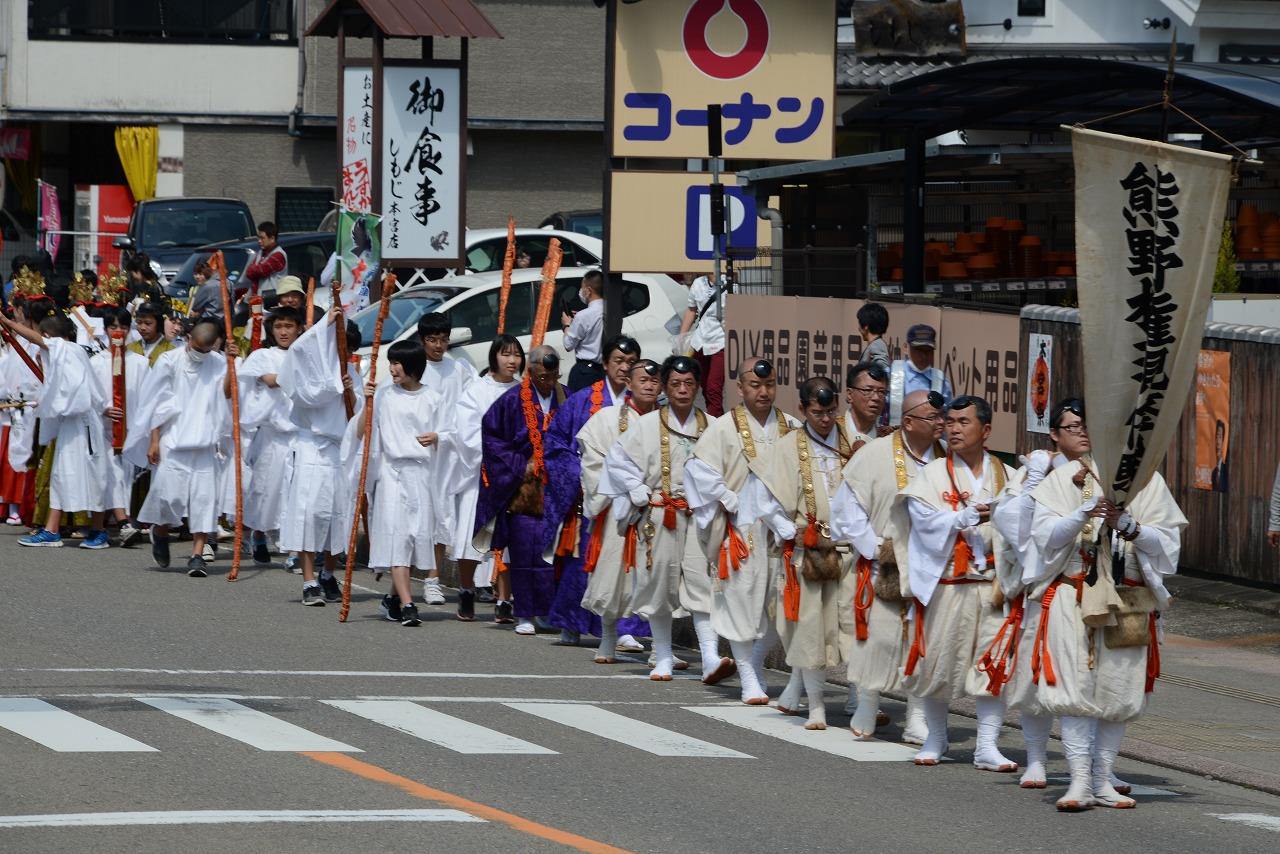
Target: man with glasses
449,378
735,545
917,372
1098,578
861,513
942,522
509,509
866,390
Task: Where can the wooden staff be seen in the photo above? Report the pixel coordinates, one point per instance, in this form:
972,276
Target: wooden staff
16,404
220,266
388,288
344,354
22,352
119,389
311,300
508,263
547,295
255,323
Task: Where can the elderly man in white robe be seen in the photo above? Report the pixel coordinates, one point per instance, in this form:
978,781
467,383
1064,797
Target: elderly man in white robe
608,592
646,483
1099,579
316,515
793,497
945,541
716,478
861,515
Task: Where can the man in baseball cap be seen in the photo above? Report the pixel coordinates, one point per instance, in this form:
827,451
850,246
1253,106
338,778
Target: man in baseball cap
917,372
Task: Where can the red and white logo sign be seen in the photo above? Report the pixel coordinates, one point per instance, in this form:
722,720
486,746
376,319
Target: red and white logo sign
725,66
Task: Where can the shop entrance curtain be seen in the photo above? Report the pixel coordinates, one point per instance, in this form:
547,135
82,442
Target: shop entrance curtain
138,149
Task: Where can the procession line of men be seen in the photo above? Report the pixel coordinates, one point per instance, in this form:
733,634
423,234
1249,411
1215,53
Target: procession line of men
925,568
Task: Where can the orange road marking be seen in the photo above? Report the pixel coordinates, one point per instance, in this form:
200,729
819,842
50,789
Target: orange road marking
381,775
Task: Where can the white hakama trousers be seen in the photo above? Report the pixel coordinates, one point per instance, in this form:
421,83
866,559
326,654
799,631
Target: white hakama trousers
402,521
272,453
316,514
959,624
78,479
813,641
1111,687
740,603
666,578
1020,693
875,664
184,486
608,592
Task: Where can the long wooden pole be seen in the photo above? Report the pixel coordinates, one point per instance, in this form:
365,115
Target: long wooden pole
219,265
508,263
22,352
344,353
388,288
311,302
550,268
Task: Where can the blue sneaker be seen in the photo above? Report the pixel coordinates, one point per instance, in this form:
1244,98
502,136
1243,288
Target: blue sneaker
96,540
41,539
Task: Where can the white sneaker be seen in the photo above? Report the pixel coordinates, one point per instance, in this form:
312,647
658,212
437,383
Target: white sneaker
208,554
431,592
525,627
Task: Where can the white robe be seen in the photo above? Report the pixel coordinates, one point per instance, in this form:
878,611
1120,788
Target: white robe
608,592
671,574
265,411
460,464
318,505
717,478
185,401
20,384
450,378
70,409
121,472
405,504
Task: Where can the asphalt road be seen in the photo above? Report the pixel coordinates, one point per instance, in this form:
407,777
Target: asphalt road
233,697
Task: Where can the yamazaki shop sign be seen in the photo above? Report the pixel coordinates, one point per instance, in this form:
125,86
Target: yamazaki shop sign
806,337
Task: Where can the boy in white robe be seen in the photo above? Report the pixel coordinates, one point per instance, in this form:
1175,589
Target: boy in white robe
121,472
608,592
958,610
716,479
404,498
860,514
188,416
316,515
646,483
70,410
449,379
264,409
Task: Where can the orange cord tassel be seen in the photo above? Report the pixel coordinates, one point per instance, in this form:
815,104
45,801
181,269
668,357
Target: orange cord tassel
863,596
1153,656
791,587
596,544
733,551
1002,654
499,566
917,642
1041,660
669,517
811,532
629,549
568,536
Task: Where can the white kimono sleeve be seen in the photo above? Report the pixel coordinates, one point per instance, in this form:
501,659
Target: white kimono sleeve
851,524
625,481
706,492
931,541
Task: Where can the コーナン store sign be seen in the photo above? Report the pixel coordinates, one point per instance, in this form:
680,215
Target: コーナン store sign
770,64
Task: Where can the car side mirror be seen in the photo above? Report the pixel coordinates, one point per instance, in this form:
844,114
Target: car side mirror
122,242
459,336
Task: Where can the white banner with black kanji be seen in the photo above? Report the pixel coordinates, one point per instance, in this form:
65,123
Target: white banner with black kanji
1148,224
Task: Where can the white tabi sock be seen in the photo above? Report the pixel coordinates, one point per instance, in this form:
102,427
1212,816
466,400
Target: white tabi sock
790,697
708,641
1035,731
608,639
936,744
661,626
1106,745
759,650
863,724
1077,746
751,688
1116,783
986,756
916,729
851,703
814,680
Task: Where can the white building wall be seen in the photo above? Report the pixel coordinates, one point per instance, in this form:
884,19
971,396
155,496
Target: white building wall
1070,22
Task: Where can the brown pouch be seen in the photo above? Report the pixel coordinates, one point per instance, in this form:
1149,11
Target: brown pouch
821,563
528,498
887,585
1133,619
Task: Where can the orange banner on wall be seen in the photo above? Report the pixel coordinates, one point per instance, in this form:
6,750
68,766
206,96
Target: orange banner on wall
1213,419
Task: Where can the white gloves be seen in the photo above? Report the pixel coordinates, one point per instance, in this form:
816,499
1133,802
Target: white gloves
1125,524
729,501
968,517
1038,465
639,496
1066,529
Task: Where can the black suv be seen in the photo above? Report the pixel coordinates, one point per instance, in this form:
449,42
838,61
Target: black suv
169,230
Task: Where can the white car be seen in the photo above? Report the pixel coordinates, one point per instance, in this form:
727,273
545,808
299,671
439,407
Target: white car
486,248
651,314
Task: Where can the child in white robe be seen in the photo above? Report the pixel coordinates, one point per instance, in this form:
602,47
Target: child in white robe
188,416
316,516
70,411
121,473
403,498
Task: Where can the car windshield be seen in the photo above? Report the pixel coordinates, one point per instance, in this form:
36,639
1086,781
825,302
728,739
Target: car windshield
191,227
404,313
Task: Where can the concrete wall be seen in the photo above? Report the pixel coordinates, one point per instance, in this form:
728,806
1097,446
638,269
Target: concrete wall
1070,22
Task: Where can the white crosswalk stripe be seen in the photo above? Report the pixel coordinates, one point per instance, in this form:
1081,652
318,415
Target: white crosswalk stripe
628,731
834,740
456,734
254,728
60,730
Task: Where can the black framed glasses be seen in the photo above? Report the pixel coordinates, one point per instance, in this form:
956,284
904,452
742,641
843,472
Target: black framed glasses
870,391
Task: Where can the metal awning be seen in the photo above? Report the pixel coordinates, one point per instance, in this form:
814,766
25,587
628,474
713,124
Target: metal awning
1240,102
404,19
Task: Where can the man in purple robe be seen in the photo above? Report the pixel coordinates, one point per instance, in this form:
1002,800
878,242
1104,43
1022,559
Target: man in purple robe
513,486
563,502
